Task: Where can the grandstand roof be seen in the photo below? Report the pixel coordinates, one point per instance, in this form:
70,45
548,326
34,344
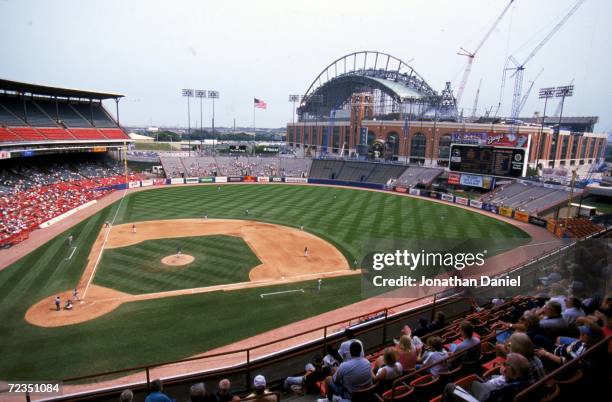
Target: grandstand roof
35,89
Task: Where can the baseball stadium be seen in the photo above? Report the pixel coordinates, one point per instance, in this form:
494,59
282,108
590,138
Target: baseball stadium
123,266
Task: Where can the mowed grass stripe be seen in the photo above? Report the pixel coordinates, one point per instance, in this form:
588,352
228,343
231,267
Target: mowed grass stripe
164,329
138,269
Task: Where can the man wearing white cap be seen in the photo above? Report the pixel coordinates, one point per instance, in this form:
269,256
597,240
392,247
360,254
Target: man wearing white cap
261,394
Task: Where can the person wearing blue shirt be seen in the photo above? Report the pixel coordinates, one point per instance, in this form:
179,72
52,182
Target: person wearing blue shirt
156,394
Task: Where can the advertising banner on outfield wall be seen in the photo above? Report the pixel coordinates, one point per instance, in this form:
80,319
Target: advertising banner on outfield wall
177,180
206,179
521,216
5,154
448,197
401,189
489,207
277,179
263,179
220,179
506,211
475,204
234,179
462,201
146,183
534,220
249,179
192,180
454,178
159,182
414,191
295,180
134,184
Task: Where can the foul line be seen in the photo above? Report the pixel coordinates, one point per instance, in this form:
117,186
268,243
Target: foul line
278,293
72,253
103,244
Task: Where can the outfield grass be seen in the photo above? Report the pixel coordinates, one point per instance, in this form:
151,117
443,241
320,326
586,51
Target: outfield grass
138,268
178,327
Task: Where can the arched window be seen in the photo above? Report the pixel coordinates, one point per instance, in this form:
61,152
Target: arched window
393,144
444,146
418,144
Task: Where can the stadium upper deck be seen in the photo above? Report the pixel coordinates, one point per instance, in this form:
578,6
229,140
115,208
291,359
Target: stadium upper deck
36,116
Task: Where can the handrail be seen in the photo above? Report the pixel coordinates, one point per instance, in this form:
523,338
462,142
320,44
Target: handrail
590,351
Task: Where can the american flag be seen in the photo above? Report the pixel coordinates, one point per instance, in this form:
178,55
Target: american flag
259,103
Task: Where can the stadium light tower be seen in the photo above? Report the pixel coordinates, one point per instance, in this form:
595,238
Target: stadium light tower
546,94
561,92
188,93
201,93
213,95
294,99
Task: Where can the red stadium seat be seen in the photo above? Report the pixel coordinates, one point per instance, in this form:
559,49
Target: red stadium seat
28,133
86,134
114,133
6,135
56,133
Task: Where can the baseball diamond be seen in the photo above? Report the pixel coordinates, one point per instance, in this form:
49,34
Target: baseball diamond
334,219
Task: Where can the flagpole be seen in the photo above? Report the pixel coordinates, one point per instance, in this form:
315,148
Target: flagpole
254,118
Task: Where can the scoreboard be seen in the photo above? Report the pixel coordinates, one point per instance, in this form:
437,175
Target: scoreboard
492,161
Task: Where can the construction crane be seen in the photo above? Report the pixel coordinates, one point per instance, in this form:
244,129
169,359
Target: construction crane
475,107
519,68
471,55
524,99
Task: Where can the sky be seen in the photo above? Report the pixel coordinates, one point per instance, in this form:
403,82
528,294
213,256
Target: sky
149,50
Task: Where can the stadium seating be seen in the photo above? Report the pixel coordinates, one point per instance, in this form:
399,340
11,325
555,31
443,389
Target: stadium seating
355,171
86,134
28,133
31,195
7,135
527,197
113,133
56,133
415,175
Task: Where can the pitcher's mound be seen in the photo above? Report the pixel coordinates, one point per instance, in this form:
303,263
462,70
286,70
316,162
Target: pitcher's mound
177,260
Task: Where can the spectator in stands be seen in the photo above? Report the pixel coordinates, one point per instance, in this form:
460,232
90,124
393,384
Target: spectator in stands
344,349
552,323
406,353
156,394
198,393
332,358
557,294
520,343
438,322
389,371
433,354
224,392
261,394
468,341
126,396
573,310
590,334
353,374
315,371
504,388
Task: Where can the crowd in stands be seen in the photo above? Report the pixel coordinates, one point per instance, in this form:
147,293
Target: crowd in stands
491,355
203,166
31,194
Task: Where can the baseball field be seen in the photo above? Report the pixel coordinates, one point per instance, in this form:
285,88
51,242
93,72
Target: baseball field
171,284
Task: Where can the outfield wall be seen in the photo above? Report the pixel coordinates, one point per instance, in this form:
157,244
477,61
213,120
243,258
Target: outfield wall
447,197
